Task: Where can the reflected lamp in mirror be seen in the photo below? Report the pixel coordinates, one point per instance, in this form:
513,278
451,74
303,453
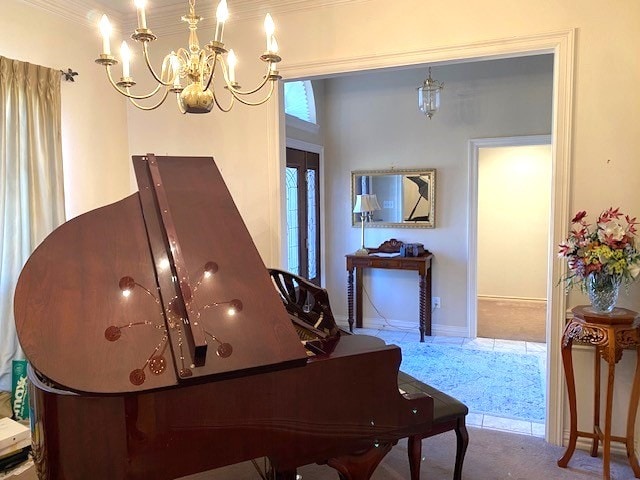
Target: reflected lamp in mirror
365,205
406,197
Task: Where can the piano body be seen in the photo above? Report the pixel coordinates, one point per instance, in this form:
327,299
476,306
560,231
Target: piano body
159,348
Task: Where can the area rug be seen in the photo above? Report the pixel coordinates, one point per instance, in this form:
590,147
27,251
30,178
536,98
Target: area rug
502,384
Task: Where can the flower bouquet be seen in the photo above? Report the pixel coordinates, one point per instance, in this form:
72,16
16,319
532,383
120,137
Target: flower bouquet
601,257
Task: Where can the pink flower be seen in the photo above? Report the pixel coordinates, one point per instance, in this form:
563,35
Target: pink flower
579,216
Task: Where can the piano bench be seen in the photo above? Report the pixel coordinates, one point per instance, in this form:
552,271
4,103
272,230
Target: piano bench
448,414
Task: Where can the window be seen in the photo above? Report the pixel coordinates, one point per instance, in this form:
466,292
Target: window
300,105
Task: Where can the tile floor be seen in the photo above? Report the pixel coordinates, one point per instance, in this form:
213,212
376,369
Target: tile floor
478,419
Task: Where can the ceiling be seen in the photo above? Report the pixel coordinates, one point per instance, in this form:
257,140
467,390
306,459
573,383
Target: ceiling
126,6
164,15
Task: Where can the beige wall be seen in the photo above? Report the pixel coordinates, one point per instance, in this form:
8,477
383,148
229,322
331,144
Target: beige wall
373,123
94,124
514,200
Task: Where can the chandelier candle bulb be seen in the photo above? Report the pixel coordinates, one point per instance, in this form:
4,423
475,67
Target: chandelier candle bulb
222,15
274,45
105,29
125,53
175,70
232,60
269,28
142,18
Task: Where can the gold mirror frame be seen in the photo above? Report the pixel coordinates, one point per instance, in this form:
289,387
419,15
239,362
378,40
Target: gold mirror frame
406,197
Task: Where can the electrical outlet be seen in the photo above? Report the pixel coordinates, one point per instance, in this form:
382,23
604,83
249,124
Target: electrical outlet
435,302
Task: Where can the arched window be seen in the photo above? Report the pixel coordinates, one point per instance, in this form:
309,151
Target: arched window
299,102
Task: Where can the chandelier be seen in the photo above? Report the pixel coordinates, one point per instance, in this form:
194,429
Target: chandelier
189,72
429,96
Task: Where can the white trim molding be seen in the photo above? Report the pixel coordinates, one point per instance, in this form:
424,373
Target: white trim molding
165,19
562,45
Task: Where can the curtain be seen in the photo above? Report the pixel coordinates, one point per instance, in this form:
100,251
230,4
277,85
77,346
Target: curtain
31,182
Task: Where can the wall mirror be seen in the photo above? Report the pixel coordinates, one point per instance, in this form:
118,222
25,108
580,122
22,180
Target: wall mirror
406,197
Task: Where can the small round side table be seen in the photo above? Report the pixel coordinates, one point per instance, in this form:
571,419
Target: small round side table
610,334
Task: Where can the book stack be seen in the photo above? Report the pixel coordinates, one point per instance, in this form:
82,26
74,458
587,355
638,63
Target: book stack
15,443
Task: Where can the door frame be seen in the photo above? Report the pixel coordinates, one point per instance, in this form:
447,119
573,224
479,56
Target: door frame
472,220
319,149
562,45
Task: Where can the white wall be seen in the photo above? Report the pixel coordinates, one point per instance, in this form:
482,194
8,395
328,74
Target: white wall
94,123
514,204
373,123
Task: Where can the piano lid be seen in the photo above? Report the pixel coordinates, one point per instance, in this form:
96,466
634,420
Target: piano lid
163,287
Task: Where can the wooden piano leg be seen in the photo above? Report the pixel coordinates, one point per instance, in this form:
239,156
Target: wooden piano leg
284,475
414,447
360,466
462,442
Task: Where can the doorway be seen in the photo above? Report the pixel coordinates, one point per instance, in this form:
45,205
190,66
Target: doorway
303,214
514,208
512,216
562,45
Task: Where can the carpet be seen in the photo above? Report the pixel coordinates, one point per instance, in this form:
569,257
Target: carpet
502,384
512,319
491,455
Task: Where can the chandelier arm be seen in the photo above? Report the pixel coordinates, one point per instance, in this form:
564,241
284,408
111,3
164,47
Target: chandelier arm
225,110
145,49
249,92
253,104
213,70
152,107
126,92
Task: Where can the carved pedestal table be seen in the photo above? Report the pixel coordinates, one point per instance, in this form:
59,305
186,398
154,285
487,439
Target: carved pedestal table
610,334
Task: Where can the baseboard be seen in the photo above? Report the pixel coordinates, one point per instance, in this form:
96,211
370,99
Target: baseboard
404,325
499,298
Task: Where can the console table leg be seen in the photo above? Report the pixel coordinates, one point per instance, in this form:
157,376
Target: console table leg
350,298
423,306
631,417
606,441
595,443
428,302
359,311
567,362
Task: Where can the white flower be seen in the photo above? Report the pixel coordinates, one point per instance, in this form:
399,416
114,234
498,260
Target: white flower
634,269
611,229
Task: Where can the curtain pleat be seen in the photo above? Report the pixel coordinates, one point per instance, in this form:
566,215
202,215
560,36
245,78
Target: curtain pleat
31,181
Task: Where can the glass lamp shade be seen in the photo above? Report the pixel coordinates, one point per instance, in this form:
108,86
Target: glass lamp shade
429,96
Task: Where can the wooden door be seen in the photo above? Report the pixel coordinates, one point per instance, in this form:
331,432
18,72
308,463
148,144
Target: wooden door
303,214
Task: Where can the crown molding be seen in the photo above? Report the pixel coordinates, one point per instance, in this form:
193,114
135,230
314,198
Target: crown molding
165,20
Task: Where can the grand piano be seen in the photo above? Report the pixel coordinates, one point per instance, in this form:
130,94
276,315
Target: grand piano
159,348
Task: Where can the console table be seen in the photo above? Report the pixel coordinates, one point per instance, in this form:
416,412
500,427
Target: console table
421,264
610,334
